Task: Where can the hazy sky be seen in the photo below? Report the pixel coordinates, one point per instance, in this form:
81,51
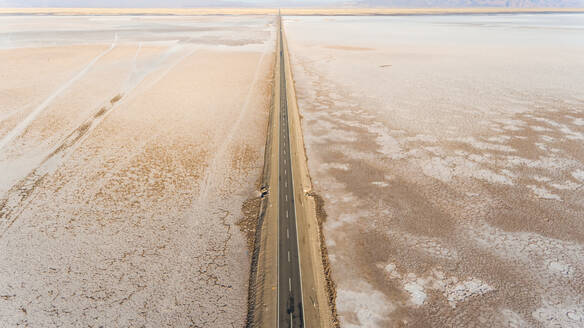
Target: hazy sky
290,3
169,3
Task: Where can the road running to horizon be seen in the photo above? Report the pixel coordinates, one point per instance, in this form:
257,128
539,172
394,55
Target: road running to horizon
289,280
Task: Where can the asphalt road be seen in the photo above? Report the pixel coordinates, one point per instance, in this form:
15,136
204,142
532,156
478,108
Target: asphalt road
289,280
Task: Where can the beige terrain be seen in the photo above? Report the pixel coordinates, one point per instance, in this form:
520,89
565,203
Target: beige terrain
449,154
127,148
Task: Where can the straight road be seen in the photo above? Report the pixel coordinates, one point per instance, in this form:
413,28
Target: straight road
290,310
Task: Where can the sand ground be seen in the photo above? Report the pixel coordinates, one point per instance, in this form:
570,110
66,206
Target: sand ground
127,148
449,153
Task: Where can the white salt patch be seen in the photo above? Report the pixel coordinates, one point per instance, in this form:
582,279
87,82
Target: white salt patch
496,129
434,150
578,174
391,270
572,135
578,121
523,245
452,289
338,166
549,122
324,125
428,245
547,138
542,192
380,183
477,158
562,269
535,254
542,162
512,128
349,198
490,176
447,168
512,124
355,124
512,319
417,295
576,315
346,218
437,168
508,173
335,96
499,139
463,290
541,146
568,185
485,145
422,138
330,242
370,306
539,178
538,128
389,145
338,135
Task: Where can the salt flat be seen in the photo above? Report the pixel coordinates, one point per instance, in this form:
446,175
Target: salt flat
449,151
127,148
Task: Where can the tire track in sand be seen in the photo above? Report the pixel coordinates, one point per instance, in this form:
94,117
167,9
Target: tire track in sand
21,127
18,196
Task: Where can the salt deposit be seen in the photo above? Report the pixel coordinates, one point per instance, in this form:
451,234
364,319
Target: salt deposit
477,122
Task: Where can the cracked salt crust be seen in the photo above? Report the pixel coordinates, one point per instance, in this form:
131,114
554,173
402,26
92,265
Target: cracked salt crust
454,290
131,221
445,169
560,315
461,145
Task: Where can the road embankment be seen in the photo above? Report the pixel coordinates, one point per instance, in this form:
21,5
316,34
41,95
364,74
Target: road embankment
262,295
318,287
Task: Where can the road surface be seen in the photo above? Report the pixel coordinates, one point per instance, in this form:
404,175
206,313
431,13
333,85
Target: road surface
290,310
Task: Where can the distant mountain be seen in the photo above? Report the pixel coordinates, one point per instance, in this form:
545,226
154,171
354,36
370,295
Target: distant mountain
292,3
471,3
